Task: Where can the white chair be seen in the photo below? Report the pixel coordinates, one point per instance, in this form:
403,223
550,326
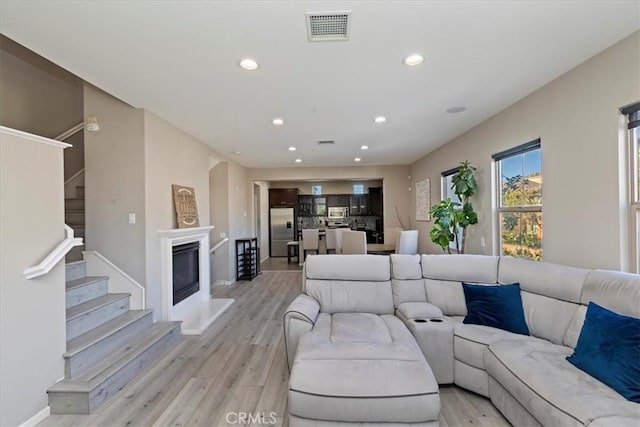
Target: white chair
310,240
354,242
407,243
331,235
391,235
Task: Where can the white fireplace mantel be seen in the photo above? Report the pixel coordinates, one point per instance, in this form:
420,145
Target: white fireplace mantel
198,310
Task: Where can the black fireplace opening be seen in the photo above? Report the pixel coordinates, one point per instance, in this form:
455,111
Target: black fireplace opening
186,271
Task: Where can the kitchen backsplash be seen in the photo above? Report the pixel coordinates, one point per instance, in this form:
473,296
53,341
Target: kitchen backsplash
354,222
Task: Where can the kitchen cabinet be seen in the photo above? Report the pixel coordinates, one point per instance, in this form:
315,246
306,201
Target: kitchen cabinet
338,200
305,205
375,201
279,197
359,205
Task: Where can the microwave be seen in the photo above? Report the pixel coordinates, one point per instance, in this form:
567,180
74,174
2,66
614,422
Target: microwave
338,213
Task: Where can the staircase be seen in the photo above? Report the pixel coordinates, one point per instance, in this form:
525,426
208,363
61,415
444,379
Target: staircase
107,343
74,218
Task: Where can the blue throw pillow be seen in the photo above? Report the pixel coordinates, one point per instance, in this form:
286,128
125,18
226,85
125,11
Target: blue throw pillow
497,306
609,349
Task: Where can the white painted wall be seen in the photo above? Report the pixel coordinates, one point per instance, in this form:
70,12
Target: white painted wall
219,213
576,116
171,156
32,312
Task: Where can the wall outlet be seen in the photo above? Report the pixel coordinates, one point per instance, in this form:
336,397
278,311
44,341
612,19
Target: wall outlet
132,218
223,235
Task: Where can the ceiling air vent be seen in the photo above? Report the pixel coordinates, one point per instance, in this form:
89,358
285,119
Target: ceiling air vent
328,26
326,142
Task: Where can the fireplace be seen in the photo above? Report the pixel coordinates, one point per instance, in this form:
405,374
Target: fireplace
186,271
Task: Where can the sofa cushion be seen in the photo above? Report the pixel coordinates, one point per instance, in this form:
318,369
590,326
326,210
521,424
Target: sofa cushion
537,375
372,373
496,306
405,267
369,268
418,310
461,268
470,341
447,296
609,349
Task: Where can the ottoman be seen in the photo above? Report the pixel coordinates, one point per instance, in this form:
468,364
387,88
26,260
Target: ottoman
361,368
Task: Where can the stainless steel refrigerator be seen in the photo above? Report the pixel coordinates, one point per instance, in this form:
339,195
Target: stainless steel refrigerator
282,229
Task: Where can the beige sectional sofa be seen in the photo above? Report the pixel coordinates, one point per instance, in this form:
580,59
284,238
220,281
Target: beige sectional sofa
372,336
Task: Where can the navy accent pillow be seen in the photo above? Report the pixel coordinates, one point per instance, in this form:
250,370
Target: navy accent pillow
609,349
497,306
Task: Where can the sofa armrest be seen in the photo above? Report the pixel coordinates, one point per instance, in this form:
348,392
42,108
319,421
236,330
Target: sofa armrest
299,319
418,310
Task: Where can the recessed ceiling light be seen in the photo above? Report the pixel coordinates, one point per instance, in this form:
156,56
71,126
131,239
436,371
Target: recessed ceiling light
380,119
292,148
298,160
249,64
277,121
458,109
364,147
357,159
414,59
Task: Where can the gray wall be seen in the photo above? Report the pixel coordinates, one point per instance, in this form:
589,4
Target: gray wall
219,199
32,312
115,182
576,116
36,95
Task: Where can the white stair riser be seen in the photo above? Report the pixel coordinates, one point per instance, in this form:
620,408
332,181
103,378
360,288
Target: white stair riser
85,359
76,271
87,292
90,320
85,403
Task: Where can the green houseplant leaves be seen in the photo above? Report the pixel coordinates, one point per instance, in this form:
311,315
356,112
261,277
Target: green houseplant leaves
451,218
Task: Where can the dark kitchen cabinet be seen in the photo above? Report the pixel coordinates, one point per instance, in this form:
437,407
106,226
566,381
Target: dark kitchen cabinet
375,201
359,205
279,197
338,200
305,205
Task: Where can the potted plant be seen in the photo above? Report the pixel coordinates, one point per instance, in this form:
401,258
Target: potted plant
451,218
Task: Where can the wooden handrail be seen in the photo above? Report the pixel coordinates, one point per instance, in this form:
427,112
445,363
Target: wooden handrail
55,256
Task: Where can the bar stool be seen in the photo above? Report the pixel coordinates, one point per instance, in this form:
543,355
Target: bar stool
310,241
293,251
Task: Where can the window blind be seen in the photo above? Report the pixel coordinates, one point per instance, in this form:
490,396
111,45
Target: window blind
632,111
520,149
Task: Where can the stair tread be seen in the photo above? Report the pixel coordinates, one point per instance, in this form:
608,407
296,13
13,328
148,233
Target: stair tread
116,361
82,342
85,307
78,283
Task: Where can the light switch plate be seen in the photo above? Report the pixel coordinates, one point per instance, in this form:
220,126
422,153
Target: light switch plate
132,218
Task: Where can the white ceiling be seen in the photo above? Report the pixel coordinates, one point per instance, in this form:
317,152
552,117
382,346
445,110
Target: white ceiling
179,59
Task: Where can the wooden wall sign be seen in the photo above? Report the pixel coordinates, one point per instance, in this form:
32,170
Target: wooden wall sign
184,199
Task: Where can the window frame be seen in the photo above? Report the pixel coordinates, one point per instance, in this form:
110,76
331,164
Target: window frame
499,208
444,190
632,122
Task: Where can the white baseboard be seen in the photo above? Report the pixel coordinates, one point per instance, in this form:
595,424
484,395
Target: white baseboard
224,282
264,259
37,418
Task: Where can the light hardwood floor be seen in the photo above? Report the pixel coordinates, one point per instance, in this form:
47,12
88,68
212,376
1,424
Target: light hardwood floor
237,365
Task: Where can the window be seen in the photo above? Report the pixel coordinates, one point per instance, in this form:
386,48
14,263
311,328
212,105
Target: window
447,185
448,192
358,188
519,181
633,124
316,190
